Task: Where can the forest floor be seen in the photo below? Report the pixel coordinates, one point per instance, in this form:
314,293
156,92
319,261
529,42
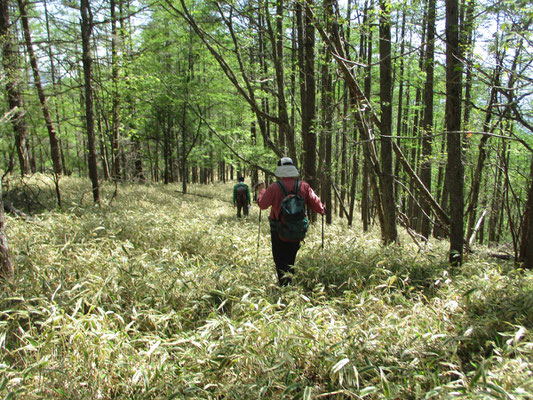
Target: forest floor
159,295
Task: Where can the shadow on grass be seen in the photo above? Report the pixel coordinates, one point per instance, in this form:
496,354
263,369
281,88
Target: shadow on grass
398,275
31,198
495,317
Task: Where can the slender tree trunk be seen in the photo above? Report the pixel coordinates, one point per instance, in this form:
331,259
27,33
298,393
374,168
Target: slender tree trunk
414,211
526,245
327,110
467,37
6,265
365,197
14,96
286,130
455,167
307,44
54,143
387,179
496,202
63,146
115,122
482,154
263,67
346,94
86,30
427,121
367,169
400,116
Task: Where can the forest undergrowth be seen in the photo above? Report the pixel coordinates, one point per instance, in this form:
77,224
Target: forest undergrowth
160,295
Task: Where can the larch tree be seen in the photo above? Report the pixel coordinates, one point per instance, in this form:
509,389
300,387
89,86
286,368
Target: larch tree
115,112
385,89
427,120
52,136
455,166
13,81
86,31
306,46
6,265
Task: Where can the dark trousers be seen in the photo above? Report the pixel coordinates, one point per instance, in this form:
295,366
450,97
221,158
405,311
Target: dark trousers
244,208
284,254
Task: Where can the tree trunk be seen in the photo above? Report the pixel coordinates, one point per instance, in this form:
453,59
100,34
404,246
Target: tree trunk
400,120
385,83
482,154
63,150
14,96
496,202
306,45
427,121
414,211
467,37
344,131
54,143
526,245
86,30
366,44
455,167
115,121
286,130
365,197
6,265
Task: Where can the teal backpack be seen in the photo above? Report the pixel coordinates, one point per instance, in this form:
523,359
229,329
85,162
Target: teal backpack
293,222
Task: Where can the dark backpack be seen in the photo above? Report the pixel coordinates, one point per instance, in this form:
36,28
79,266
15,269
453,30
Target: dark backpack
293,221
241,197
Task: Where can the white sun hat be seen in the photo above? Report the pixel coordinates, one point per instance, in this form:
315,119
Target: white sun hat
286,168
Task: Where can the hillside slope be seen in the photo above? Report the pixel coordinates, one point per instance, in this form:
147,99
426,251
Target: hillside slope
158,295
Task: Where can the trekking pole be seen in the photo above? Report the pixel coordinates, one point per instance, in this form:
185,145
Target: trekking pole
322,243
258,236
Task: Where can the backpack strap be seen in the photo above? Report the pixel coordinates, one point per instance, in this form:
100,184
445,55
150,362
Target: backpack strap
284,189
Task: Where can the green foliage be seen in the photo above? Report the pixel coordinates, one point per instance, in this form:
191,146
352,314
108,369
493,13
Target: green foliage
163,295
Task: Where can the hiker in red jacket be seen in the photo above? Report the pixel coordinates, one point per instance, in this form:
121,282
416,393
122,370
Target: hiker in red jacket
284,252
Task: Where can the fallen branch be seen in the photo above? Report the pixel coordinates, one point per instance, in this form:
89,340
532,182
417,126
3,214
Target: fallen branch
476,228
404,221
8,207
506,256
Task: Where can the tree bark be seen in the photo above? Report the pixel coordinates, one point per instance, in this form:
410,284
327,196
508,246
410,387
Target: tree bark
385,84
400,119
526,245
6,265
308,95
86,31
286,131
497,198
455,167
427,121
54,142
14,96
482,154
115,116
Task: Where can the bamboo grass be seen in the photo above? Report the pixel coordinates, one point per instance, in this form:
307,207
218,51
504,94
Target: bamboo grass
159,296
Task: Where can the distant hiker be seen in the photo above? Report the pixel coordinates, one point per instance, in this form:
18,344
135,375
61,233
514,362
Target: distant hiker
241,197
287,224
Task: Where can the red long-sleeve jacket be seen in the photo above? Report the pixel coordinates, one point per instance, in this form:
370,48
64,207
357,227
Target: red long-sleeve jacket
273,196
